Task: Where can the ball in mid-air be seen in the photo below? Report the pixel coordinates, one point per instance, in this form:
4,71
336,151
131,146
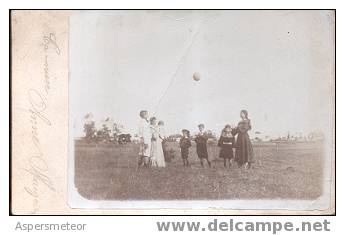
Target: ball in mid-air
196,76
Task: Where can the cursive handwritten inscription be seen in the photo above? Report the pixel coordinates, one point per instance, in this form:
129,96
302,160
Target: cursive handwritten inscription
49,41
37,168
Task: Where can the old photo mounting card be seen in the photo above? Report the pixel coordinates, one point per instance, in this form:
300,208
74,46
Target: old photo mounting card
173,111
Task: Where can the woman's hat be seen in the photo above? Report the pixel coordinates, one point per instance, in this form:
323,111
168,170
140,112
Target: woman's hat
185,131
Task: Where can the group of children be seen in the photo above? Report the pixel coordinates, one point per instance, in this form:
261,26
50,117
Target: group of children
152,142
226,143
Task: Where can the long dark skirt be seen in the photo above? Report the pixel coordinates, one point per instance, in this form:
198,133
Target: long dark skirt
244,149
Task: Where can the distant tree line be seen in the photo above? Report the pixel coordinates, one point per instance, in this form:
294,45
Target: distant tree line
109,132
176,137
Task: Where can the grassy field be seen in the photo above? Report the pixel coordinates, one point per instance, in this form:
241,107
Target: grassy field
109,172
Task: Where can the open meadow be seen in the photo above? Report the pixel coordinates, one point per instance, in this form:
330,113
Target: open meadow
107,171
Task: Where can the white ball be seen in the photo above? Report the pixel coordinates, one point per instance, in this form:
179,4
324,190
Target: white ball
196,76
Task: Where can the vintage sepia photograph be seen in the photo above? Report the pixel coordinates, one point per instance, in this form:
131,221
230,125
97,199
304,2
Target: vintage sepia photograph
201,109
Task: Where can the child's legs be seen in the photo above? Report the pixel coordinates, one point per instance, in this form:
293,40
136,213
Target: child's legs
202,162
140,160
184,161
146,161
199,153
247,165
205,155
208,161
187,153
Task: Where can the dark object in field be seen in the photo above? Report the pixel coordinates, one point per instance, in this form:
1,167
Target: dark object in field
103,136
124,138
290,169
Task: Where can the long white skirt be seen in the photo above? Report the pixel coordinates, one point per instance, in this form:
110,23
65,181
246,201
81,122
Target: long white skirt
157,156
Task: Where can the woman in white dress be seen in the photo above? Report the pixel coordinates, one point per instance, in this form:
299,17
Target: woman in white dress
157,156
163,138
161,135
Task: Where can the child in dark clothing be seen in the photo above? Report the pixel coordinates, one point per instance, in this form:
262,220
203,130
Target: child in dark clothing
226,143
185,144
201,145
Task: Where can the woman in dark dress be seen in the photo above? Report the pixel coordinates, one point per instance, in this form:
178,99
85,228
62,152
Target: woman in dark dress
244,154
226,142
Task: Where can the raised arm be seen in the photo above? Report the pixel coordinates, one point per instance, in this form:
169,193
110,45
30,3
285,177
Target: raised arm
220,141
235,131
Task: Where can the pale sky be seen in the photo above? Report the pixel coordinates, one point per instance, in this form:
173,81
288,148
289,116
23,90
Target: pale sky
276,64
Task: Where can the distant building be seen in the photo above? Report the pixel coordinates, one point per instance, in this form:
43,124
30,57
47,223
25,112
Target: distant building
261,137
316,136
